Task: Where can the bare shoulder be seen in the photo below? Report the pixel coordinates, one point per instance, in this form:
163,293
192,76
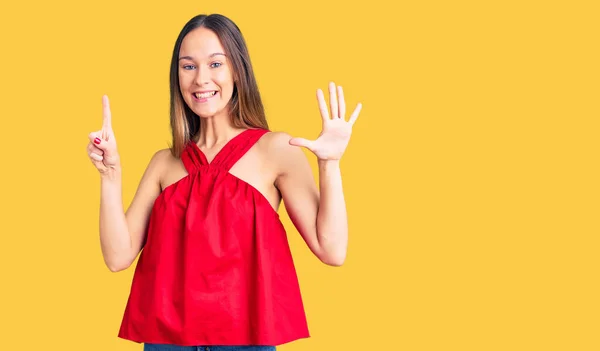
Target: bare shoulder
274,140
281,156
161,158
159,163
277,146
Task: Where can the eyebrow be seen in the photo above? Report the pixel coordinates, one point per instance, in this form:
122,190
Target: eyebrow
210,56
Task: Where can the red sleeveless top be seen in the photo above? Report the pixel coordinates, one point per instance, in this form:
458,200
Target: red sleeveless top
216,268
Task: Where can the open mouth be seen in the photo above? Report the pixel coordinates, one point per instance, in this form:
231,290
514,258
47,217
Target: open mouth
205,95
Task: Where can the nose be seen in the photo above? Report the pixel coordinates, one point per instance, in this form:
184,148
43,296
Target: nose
202,75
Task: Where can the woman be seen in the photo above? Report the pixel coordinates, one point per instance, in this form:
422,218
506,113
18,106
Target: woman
216,271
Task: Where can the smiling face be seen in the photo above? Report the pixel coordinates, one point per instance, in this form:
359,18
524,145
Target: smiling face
205,74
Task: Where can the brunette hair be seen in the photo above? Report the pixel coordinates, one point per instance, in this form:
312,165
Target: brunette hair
245,107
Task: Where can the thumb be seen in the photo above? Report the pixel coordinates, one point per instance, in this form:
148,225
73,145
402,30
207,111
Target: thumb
302,142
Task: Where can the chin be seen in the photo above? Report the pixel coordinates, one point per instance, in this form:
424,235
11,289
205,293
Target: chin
207,113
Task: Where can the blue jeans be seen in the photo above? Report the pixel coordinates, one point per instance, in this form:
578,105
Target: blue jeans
166,347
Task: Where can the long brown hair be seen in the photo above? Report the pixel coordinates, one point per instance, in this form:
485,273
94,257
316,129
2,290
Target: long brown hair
245,107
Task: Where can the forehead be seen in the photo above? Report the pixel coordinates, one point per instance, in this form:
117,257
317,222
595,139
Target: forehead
200,43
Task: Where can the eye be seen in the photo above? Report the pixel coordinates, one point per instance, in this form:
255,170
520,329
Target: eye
185,67
215,64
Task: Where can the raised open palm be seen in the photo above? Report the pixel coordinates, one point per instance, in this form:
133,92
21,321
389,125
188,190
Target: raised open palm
336,131
102,148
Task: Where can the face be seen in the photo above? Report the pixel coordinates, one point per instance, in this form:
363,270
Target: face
205,74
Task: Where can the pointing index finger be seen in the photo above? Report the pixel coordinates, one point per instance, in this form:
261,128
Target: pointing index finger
106,116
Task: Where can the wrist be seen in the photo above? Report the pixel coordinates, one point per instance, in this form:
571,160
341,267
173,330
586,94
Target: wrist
329,163
111,173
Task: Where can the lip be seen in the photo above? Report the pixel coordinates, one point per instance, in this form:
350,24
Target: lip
204,99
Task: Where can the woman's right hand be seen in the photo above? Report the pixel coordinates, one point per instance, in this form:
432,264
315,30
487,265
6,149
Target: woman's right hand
102,148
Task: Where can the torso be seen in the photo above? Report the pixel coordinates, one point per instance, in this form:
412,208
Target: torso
255,168
211,235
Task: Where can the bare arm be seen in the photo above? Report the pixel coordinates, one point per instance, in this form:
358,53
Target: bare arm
122,235
332,219
319,216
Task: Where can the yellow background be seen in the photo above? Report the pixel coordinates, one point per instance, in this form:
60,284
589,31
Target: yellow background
471,178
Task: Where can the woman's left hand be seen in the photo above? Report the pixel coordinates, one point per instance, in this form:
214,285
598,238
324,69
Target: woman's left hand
334,138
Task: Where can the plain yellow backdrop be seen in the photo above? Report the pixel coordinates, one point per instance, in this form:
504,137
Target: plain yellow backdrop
471,178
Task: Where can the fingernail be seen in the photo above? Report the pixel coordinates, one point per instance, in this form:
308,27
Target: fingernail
97,141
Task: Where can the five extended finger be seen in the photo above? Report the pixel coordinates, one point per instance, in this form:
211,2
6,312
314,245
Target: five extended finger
354,115
322,105
333,103
341,102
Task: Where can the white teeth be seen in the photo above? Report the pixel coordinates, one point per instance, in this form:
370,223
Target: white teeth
205,95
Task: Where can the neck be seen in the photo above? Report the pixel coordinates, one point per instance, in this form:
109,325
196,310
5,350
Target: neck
215,131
